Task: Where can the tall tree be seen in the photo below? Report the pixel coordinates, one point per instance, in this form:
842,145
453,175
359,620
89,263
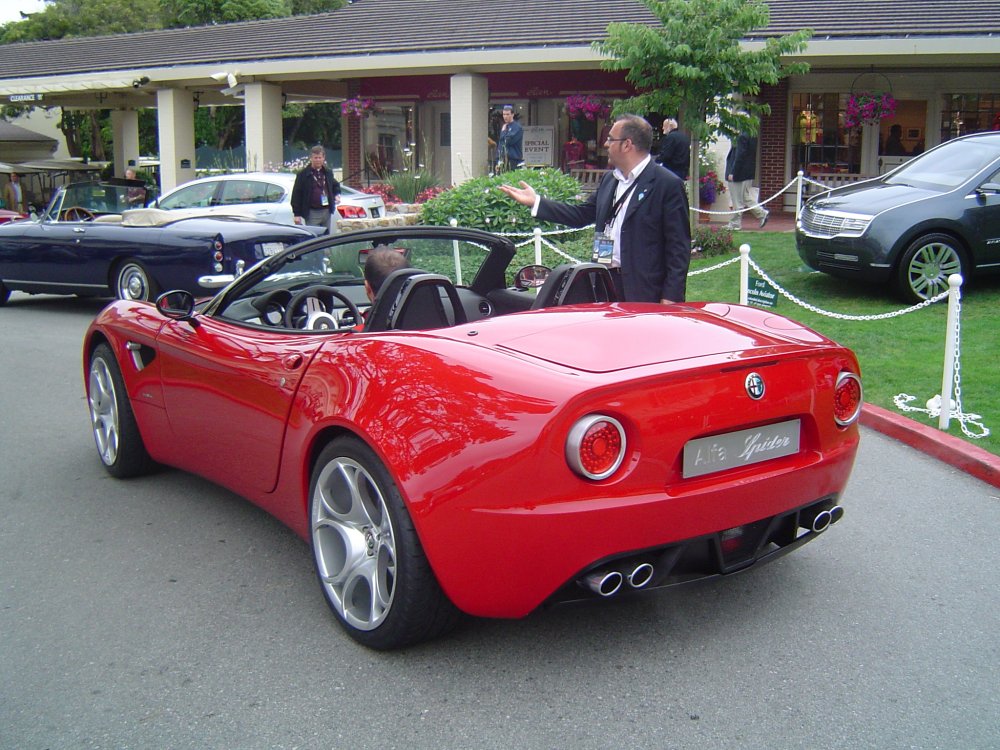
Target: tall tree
694,65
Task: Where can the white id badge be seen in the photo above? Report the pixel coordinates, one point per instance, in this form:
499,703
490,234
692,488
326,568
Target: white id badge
604,249
324,201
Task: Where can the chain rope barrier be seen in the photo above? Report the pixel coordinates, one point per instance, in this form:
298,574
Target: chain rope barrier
902,401
743,210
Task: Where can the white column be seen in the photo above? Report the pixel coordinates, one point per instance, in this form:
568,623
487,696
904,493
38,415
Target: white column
262,115
175,119
125,133
869,149
469,128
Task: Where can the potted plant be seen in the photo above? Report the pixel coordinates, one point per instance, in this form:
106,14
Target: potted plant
357,106
868,108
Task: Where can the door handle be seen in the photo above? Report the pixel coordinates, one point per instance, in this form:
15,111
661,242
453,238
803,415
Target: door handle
293,361
79,230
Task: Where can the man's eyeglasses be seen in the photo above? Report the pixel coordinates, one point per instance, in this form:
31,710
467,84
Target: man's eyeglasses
609,139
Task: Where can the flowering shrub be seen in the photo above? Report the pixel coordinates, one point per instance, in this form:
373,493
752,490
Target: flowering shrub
712,240
429,194
384,191
357,107
709,187
586,107
867,108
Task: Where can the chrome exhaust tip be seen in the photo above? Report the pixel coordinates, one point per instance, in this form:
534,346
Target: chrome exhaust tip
836,513
821,521
641,575
604,582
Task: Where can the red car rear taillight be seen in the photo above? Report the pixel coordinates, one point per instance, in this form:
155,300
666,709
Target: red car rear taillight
848,398
351,212
595,446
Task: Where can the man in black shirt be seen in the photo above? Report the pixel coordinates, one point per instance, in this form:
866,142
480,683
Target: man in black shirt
315,193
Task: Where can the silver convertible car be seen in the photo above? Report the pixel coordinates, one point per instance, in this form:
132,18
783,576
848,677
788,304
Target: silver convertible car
90,243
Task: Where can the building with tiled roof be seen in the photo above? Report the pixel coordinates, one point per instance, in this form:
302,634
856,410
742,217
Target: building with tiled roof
435,67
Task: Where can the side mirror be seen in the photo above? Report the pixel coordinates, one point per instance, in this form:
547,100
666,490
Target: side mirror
176,305
988,188
531,277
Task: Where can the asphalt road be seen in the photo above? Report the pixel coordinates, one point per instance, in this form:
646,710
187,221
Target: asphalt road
167,613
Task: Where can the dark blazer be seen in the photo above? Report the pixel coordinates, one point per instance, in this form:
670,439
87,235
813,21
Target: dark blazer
655,236
302,191
675,153
741,162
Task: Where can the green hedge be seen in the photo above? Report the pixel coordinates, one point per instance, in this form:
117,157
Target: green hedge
479,203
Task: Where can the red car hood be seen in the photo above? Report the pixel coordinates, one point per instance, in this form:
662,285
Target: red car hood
625,336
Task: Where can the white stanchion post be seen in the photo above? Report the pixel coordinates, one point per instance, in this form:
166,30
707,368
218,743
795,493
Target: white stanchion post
744,272
458,257
537,231
948,376
798,194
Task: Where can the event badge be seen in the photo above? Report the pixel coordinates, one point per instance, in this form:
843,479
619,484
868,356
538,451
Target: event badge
324,201
604,249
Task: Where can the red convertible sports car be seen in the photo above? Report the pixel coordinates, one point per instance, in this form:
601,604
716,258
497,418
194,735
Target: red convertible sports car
461,445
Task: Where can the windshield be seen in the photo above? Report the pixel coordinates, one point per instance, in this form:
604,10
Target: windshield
88,200
946,167
345,262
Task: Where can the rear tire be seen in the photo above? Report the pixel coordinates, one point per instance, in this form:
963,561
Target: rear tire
369,561
926,265
119,444
4,294
133,282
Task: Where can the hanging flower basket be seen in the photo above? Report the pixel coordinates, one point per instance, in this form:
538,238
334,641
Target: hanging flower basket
580,107
868,108
357,107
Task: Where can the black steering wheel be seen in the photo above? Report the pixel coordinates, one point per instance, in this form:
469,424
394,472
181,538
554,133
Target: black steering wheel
312,309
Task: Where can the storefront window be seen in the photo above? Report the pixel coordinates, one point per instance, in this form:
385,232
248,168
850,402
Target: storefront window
821,143
584,147
962,114
385,133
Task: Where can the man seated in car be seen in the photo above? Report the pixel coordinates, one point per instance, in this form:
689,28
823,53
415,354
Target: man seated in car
381,262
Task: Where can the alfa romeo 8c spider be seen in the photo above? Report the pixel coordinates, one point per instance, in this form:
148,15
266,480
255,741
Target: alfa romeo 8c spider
473,440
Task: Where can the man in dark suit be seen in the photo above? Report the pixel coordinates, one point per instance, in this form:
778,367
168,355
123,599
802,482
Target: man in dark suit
640,213
675,149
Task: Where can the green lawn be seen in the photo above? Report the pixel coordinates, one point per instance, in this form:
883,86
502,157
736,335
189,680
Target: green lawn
904,354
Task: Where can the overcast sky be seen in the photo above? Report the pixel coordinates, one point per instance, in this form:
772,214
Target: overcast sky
10,10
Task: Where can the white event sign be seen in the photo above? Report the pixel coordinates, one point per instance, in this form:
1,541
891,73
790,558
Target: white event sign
539,145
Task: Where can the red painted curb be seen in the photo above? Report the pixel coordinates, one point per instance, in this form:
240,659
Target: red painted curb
932,441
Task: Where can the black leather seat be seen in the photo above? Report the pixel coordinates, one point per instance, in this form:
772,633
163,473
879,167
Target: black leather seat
574,283
414,300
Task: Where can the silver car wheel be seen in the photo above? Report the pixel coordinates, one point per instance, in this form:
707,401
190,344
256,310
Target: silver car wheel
104,411
929,268
354,543
133,283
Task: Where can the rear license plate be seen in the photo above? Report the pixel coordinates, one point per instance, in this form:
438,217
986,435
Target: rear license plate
272,248
374,213
711,454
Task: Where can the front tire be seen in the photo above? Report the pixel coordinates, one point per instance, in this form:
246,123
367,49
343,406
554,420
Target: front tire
134,283
116,433
926,265
369,561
